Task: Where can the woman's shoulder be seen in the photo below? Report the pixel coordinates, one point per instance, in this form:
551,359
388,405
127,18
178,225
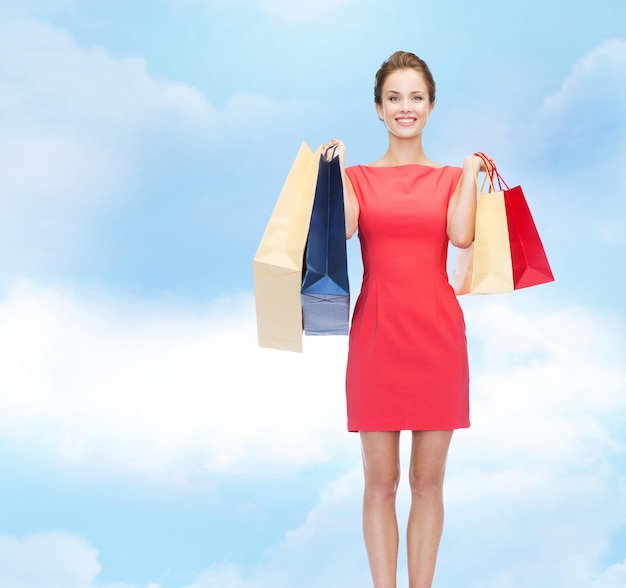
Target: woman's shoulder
454,169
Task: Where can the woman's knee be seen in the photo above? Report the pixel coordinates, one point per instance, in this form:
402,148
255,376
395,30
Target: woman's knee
426,484
382,483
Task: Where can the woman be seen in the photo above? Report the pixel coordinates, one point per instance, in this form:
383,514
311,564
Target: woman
407,360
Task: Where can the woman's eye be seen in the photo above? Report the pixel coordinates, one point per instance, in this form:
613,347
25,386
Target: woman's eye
417,98
394,98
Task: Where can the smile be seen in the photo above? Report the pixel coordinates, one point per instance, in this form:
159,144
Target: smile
405,121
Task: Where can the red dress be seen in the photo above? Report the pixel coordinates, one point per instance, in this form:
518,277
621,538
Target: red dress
407,359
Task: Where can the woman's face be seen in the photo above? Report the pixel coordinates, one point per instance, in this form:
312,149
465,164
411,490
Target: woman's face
405,104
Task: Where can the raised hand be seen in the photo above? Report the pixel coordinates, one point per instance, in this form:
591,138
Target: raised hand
484,163
335,148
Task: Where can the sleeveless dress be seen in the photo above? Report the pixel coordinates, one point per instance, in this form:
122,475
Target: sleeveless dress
407,360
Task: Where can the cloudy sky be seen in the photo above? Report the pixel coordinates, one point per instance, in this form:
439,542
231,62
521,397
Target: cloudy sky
145,440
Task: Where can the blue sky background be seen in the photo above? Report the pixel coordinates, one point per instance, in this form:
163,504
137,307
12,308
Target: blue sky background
145,440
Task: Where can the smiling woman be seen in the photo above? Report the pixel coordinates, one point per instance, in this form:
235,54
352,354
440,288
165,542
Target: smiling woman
407,360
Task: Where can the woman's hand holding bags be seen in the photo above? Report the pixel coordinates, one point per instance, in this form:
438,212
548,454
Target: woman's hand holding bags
300,267
507,253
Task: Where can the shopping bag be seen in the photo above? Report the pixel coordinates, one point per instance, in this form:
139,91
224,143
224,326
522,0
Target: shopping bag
507,253
325,291
528,257
485,267
492,271
278,262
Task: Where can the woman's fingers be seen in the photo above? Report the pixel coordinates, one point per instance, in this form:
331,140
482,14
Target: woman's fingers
334,148
486,162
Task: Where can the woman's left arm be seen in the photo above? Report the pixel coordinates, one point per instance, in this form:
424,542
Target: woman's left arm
462,205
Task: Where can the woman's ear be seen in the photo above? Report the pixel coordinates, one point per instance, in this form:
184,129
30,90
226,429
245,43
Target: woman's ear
379,111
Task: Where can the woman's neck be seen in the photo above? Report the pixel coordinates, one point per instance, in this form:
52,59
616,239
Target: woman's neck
402,152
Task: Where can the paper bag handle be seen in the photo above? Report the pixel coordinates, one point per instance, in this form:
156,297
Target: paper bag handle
332,149
493,173
488,173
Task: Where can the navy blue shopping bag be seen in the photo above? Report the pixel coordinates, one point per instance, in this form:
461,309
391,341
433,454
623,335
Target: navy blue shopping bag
325,289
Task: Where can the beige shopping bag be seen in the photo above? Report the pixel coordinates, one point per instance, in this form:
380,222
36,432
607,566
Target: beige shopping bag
485,267
493,270
278,262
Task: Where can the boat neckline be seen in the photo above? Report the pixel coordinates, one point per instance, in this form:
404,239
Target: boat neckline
402,165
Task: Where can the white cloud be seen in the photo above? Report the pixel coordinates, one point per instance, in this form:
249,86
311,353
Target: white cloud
573,140
71,136
288,10
50,560
537,485
507,526
48,81
13,8
612,577
577,134
561,370
45,74
83,131
535,493
146,388
221,576
166,380
47,560
325,550
70,113
591,98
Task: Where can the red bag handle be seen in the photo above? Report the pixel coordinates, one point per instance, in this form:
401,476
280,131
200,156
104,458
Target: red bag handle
492,170
489,165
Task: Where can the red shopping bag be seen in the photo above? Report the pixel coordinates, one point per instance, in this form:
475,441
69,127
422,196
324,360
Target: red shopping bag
528,257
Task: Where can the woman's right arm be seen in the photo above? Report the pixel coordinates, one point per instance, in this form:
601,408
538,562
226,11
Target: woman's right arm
350,202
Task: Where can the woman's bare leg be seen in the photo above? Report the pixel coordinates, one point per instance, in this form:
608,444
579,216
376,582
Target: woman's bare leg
381,468
429,453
